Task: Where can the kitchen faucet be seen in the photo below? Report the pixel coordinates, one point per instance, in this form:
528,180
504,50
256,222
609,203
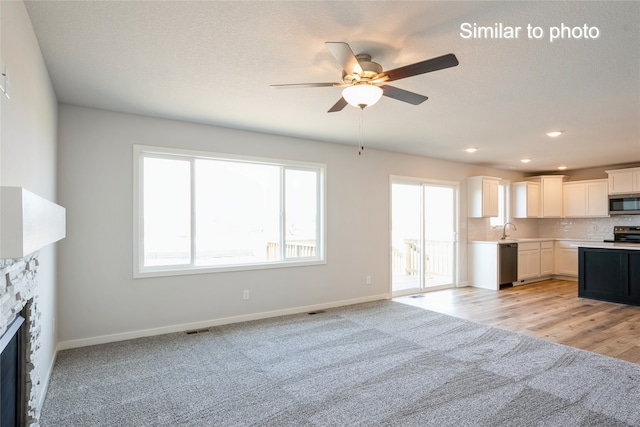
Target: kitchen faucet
504,230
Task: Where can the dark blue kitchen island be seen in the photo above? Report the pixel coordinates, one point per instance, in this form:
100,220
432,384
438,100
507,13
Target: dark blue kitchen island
609,272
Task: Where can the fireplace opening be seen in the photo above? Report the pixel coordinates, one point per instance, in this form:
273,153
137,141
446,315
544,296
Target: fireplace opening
11,372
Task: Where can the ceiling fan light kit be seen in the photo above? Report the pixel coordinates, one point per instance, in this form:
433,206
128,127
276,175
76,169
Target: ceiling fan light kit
362,95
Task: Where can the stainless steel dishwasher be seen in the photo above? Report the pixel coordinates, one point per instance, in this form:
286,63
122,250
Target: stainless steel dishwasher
508,253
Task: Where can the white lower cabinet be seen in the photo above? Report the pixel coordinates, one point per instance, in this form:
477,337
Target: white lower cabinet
566,258
535,260
546,258
528,260
483,265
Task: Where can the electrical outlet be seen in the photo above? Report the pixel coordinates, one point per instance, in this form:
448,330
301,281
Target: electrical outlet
245,294
368,281
4,80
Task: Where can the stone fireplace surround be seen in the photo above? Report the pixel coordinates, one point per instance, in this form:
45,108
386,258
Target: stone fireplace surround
28,223
18,281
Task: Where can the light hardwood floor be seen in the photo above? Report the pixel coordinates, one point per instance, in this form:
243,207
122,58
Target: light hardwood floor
549,310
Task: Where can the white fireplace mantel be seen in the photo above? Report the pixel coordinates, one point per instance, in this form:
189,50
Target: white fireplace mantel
28,222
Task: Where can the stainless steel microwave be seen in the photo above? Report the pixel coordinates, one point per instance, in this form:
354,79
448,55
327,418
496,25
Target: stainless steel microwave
624,204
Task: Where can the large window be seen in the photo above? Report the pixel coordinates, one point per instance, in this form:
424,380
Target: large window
198,212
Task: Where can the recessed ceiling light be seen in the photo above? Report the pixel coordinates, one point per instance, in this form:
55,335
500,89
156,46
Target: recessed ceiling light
562,167
471,150
555,133
525,160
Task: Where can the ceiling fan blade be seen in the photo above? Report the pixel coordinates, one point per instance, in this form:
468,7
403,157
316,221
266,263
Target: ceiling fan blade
403,95
300,85
379,79
345,57
338,106
433,64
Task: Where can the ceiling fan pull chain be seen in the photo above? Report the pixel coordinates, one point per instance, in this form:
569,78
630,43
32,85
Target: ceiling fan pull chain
361,143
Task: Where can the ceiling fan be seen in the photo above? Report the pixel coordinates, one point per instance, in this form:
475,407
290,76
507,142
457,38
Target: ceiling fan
364,81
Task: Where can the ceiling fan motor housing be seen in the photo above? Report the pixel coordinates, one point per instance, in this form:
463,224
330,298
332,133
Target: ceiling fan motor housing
370,70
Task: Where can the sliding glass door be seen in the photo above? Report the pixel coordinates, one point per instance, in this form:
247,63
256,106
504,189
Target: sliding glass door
423,235
406,243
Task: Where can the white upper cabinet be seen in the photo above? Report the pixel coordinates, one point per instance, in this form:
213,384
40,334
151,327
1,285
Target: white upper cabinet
585,198
550,197
482,196
574,199
597,197
525,198
624,181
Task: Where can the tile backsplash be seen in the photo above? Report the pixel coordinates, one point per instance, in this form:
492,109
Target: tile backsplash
584,228
568,228
479,229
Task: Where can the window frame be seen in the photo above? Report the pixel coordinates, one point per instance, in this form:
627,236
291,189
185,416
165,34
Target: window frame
505,206
140,152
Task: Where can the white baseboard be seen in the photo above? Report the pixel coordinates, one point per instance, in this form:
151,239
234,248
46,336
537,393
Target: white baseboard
540,279
561,277
84,342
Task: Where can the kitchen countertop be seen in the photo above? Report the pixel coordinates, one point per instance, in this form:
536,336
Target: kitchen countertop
585,243
608,245
536,239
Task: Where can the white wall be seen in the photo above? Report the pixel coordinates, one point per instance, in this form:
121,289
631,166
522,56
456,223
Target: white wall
28,147
100,301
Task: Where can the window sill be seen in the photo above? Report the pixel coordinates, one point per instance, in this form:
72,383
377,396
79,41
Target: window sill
168,271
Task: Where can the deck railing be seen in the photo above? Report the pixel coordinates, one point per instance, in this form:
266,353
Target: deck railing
300,249
437,257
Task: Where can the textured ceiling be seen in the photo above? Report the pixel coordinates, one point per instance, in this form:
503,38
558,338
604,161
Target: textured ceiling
212,62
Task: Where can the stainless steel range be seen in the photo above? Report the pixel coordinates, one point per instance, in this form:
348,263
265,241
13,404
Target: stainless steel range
625,234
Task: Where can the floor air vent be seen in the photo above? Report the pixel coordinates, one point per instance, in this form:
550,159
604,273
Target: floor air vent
416,296
197,331
317,312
